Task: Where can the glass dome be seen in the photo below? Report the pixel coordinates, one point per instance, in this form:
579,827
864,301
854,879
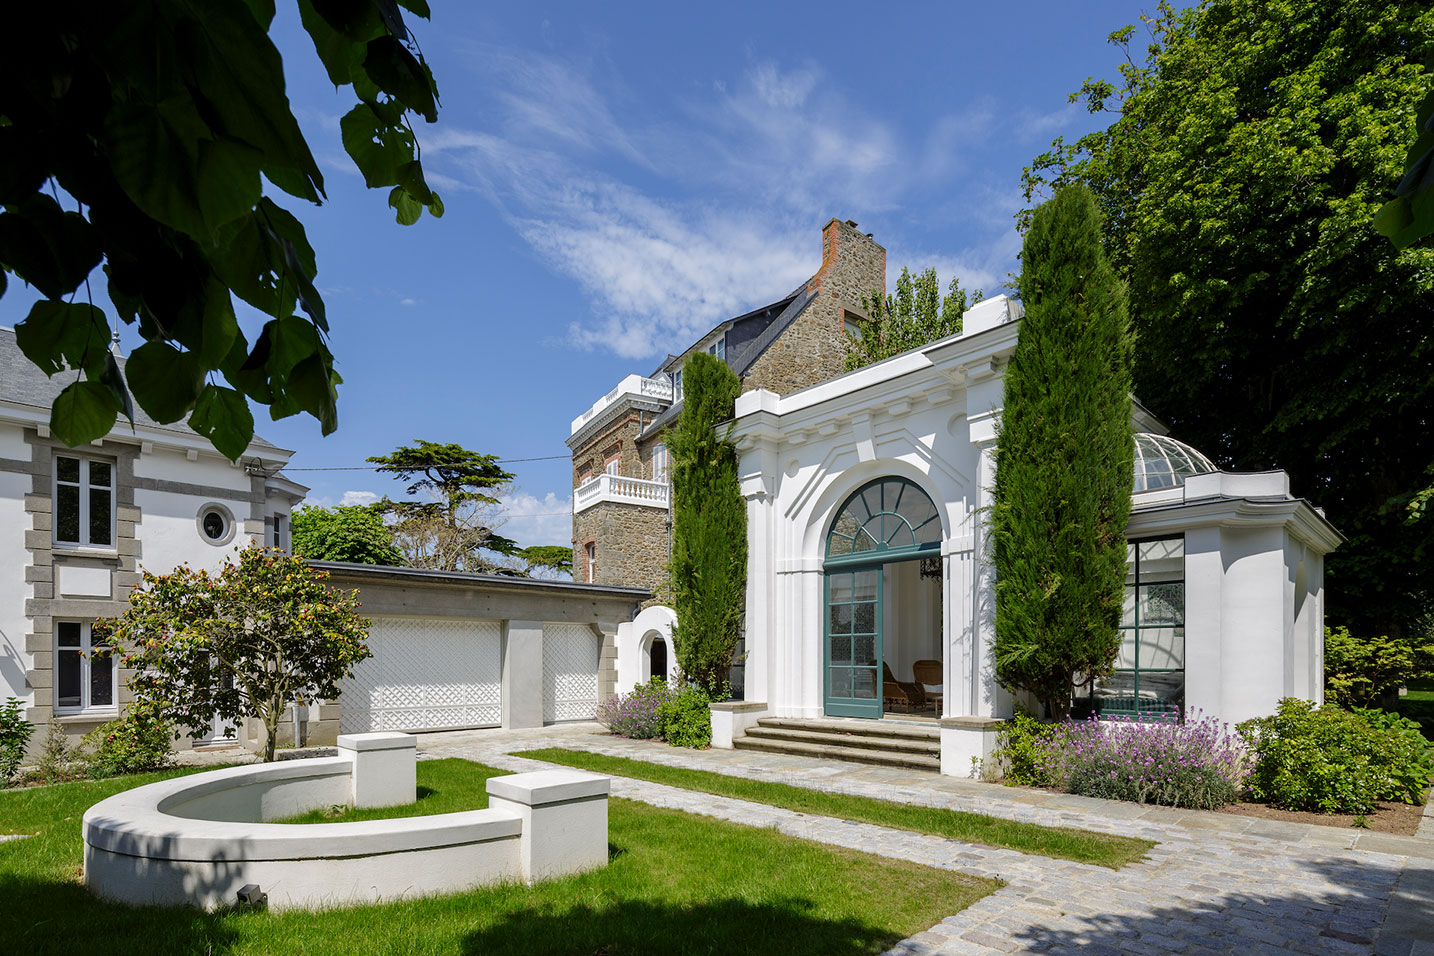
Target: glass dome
1163,462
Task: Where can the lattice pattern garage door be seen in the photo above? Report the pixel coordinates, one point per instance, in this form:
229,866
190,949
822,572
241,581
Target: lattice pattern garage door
426,674
570,666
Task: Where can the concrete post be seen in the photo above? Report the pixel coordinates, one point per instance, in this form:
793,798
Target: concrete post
522,674
731,718
385,768
564,814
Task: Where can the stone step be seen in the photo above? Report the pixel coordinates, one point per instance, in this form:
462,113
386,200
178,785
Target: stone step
899,729
834,751
914,745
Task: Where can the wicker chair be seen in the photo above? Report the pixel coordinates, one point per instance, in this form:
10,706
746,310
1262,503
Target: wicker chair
905,693
928,675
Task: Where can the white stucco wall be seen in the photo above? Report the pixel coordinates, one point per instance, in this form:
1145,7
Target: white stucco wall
170,536
14,625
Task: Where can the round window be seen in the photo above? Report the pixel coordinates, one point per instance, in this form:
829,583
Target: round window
214,526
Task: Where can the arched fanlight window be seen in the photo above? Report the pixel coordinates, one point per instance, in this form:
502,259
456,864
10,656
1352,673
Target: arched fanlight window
886,515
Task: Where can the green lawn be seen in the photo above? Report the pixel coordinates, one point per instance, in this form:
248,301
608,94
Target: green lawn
675,883
1082,846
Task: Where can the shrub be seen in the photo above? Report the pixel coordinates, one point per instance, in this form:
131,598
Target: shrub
636,714
1025,750
1198,764
1359,671
15,733
56,762
687,718
137,742
1334,761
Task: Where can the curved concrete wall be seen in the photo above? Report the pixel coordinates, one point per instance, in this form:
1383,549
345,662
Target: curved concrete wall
197,840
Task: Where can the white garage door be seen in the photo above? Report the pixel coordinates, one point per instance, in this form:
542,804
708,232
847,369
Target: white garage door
570,666
426,674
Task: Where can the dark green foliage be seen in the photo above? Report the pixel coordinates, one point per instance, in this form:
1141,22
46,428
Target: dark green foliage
1409,216
138,742
1192,788
687,718
708,567
551,560
15,733
1063,462
159,122
1249,150
353,533
1026,752
915,315
1359,672
452,528
1333,761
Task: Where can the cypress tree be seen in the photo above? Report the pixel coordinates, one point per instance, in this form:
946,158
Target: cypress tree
1063,461
708,566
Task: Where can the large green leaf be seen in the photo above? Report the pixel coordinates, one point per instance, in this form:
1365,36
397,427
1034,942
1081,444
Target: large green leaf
112,379
405,206
166,382
311,384
222,415
400,74
84,411
57,334
154,150
283,344
238,73
377,148
228,181
49,248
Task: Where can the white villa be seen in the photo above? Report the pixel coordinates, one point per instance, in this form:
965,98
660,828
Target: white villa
869,589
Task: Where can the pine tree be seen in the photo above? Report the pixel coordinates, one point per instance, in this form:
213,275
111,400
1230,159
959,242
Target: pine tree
1063,461
708,567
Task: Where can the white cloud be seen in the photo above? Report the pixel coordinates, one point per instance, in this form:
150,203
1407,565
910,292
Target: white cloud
773,152
406,300
530,520
358,498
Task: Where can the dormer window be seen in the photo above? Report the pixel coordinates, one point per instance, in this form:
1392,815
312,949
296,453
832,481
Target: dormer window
718,348
677,385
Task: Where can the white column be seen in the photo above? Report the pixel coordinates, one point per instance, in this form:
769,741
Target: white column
522,674
988,699
385,768
564,815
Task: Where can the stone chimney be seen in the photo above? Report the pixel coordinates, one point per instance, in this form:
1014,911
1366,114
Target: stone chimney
853,265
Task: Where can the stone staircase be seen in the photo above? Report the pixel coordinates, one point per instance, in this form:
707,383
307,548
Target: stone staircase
914,745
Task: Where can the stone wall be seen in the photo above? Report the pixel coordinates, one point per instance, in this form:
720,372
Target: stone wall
811,350
619,437
632,542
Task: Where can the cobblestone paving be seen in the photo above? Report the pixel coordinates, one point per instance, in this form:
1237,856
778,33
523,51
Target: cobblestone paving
1200,891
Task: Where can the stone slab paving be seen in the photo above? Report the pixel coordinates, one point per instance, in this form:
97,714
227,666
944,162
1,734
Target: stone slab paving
1211,884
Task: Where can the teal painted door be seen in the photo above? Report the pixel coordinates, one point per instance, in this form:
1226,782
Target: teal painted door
853,643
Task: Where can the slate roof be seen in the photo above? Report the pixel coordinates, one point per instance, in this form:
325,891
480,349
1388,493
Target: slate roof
23,383
748,336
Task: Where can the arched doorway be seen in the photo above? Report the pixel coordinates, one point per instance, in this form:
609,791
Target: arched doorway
876,602
658,659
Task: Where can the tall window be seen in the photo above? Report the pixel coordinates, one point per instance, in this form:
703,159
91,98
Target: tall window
1149,673
279,531
677,385
718,348
84,501
84,671
659,462
590,553
614,464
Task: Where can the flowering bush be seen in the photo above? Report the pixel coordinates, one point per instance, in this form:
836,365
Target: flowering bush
636,714
1199,764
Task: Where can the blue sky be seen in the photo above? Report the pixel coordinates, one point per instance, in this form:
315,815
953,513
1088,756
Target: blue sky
619,177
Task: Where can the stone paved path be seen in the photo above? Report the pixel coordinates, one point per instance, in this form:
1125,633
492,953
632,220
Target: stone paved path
1209,886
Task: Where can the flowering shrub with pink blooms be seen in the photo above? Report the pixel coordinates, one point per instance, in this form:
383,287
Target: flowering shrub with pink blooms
637,714
1199,764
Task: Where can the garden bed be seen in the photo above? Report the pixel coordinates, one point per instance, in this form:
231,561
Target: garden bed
1398,818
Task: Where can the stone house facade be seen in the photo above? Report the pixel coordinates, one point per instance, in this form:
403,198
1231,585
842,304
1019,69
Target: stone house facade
621,502
79,525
